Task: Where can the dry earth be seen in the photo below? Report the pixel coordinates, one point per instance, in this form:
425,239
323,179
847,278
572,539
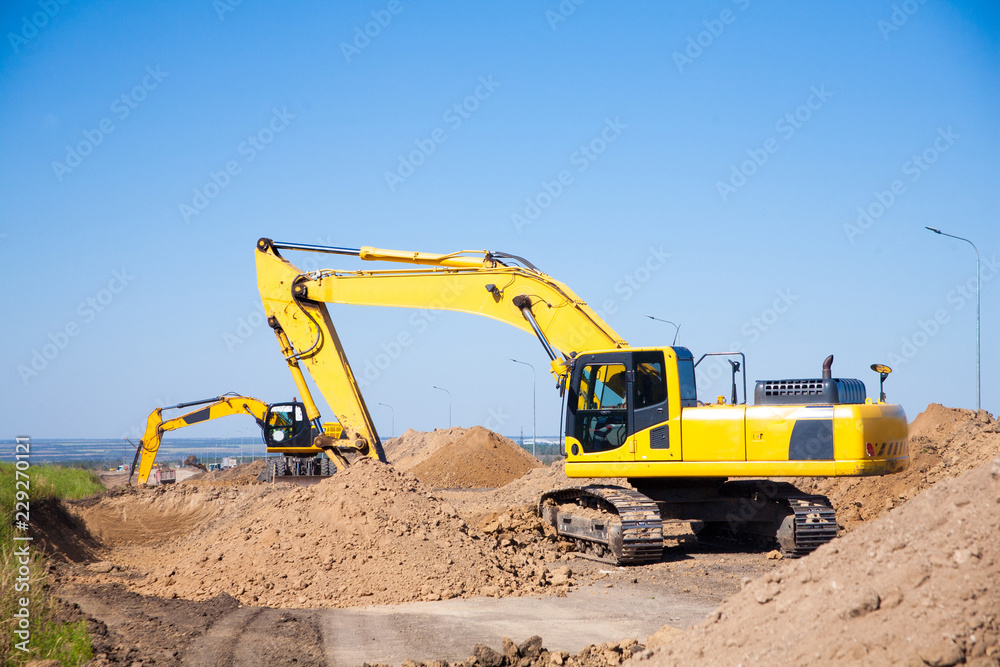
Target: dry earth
912,582
920,585
944,442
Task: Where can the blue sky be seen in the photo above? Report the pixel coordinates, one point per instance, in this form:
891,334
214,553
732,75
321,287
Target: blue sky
776,163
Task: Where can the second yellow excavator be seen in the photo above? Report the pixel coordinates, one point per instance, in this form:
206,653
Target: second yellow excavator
629,412
304,450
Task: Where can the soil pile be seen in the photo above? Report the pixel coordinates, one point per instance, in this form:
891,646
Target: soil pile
414,447
944,442
531,653
478,458
917,586
368,535
150,516
525,490
244,473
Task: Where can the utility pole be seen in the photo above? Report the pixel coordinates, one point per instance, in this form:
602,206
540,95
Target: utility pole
534,434
979,381
449,401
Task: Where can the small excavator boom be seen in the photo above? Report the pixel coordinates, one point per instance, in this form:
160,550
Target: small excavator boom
213,408
284,427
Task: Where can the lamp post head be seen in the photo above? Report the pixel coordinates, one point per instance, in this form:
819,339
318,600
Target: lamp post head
936,231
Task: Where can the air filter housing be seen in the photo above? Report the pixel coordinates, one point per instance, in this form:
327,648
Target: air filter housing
826,390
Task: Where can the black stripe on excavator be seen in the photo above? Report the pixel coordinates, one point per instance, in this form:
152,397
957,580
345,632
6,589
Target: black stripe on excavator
199,416
812,440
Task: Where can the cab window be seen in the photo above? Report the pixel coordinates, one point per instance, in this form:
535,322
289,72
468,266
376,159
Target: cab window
601,408
602,387
650,383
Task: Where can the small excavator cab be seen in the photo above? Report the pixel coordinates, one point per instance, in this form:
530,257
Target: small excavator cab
286,425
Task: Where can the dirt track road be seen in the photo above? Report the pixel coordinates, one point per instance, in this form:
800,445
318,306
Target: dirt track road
181,632
450,629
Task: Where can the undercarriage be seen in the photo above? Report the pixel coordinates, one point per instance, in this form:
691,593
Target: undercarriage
625,526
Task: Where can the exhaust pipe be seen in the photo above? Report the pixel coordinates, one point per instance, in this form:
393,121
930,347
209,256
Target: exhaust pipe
828,367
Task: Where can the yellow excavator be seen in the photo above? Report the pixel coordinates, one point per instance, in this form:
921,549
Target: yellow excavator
629,412
305,451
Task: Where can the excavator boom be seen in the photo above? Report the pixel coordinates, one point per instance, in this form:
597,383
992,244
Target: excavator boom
476,282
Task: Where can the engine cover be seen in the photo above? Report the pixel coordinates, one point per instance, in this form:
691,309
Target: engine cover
816,391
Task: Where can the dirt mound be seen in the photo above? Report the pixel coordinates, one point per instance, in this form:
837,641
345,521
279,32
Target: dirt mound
531,653
916,586
525,490
244,473
144,516
944,442
368,535
60,534
111,480
479,458
414,447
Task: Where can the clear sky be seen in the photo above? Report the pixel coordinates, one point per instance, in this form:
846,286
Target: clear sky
760,173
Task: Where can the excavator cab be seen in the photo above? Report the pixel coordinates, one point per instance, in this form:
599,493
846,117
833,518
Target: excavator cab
286,427
628,397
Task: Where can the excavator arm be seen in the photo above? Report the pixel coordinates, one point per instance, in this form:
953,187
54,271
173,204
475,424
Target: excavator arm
478,282
213,408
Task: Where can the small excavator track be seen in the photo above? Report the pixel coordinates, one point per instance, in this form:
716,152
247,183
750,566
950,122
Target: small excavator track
630,530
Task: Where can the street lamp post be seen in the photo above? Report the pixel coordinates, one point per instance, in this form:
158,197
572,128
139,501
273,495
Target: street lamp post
979,382
449,401
534,434
676,333
392,433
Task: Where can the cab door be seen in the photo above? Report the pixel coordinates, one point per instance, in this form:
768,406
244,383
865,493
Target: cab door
655,427
598,418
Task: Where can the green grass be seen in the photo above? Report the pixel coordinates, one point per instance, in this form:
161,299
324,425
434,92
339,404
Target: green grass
68,643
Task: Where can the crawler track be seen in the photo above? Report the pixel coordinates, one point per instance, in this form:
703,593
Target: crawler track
630,530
